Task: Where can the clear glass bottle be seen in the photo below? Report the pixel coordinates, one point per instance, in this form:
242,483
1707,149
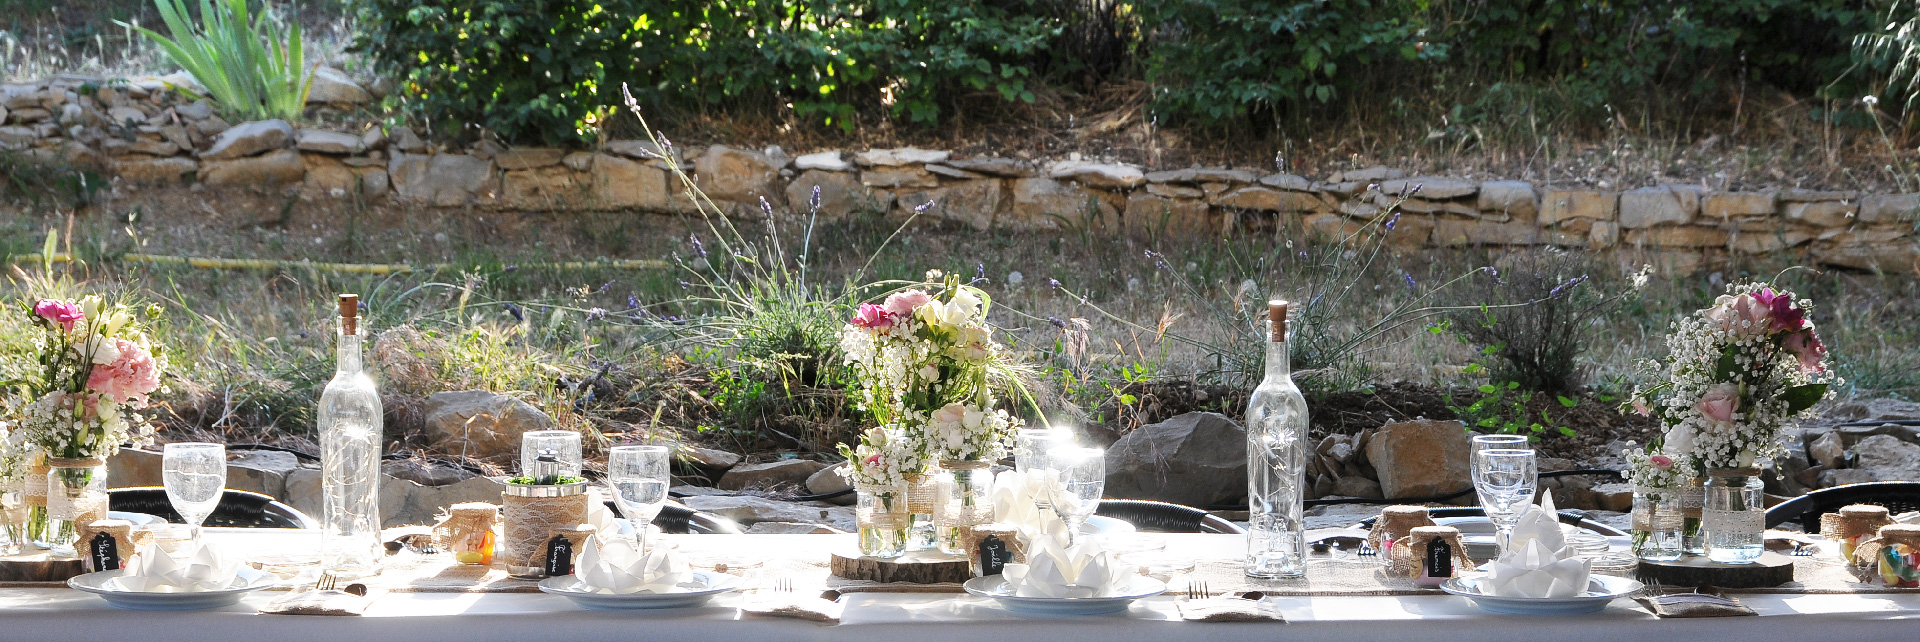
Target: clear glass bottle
1276,463
350,420
1734,516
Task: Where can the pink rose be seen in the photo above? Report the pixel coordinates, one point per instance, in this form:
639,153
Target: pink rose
1720,402
61,312
1807,349
1751,311
1640,407
871,316
903,303
128,379
1661,461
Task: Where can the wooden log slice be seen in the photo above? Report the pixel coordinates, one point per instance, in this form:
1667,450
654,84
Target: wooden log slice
40,567
1773,569
913,568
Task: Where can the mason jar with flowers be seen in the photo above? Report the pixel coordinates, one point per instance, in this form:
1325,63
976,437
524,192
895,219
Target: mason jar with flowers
97,367
1736,374
876,468
927,365
1660,520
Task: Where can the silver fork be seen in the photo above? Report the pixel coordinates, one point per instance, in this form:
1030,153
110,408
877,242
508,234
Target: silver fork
328,581
1367,551
1197,590
783,585
1802,549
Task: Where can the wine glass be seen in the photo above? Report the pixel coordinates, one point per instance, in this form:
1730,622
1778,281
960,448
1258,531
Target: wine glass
1031,445
1490,442
639,477
1075,479
1505,479
195,474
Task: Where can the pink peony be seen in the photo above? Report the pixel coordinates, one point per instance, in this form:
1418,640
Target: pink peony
1719,403
61,312
871,316
1786,317
1807,349
903,303
128,379
1661,461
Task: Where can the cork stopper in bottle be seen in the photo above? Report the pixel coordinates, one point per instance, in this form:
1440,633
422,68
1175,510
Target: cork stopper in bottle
350,314
1277,320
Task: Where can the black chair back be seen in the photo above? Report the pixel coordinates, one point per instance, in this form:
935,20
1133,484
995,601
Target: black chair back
677,519
237,508
1568,516
1805,510
1164,517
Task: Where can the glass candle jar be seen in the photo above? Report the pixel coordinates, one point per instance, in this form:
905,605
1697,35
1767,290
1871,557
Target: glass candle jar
563,446
1658,526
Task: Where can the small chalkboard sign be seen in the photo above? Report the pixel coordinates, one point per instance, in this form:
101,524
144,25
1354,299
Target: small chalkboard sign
559,556
1439,558
103,552
993,556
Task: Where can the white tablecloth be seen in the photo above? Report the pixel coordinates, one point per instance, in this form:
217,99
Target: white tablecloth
57,613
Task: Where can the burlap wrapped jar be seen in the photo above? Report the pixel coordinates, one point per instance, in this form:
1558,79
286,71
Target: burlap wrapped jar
466,531
1853,524
1409,551
532,512
1394,523
1867,553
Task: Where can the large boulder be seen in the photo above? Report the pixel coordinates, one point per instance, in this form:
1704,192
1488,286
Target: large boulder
333,87
740,175
750,510
279,167
1887,458
829,480
250,139
789,473
1421,458
444,180
261,471
1197,459
480,424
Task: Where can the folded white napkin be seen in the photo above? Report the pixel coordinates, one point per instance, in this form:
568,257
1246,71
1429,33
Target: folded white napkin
616,567
1083,570
1016,498
154,571
1538,563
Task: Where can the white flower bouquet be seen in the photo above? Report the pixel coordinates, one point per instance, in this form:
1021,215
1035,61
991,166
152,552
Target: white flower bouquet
1736,374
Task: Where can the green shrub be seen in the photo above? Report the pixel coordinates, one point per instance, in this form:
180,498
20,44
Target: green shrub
252,68
1220,59
1618,48
550,70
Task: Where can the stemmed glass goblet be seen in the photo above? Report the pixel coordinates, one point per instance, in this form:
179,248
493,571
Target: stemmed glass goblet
1076,477
1505,479
195,475
639,476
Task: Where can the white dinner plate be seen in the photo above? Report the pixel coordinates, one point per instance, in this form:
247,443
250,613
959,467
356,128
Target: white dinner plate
1601,590
703,588
1103,525
138,519
993,586
245,581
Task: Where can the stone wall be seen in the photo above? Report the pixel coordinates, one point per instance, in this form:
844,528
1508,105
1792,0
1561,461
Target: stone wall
143,134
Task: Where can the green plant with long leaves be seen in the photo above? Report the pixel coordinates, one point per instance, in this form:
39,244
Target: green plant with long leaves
252,67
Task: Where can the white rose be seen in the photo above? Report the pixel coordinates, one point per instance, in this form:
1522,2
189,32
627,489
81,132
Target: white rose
1679,442
97,350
